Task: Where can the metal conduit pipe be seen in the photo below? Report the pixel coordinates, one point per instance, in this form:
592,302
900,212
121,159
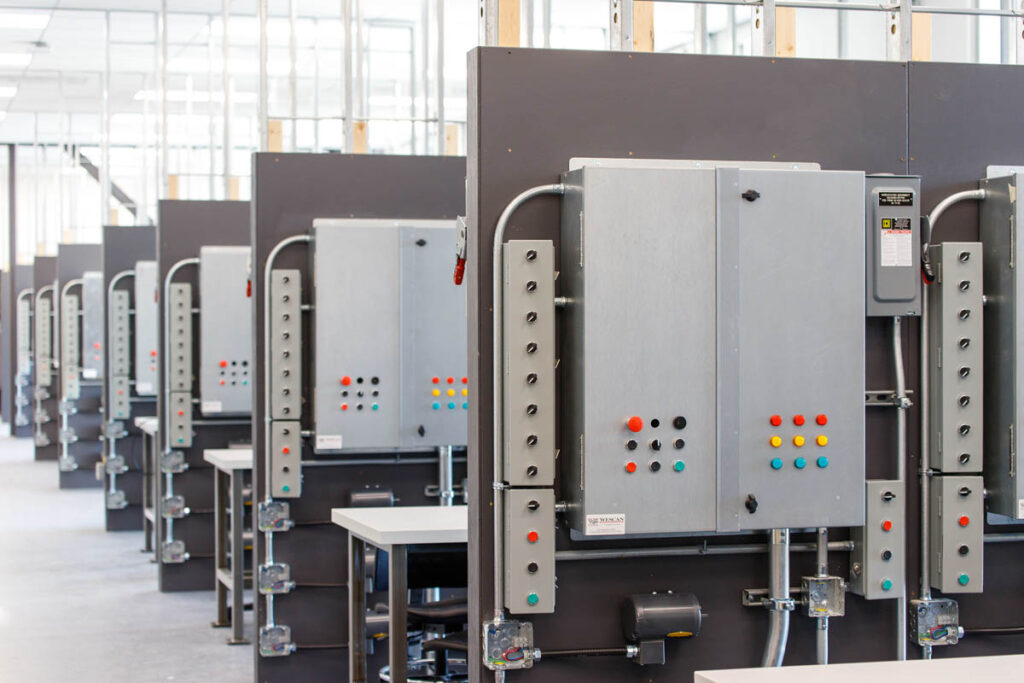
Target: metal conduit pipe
692,550
901,471
497,281
822,570
779,602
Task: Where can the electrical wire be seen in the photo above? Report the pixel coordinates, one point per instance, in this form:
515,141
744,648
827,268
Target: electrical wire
995,631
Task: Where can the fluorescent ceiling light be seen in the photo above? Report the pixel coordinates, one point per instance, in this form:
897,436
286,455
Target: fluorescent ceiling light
15,59
34,21
194,96
8,91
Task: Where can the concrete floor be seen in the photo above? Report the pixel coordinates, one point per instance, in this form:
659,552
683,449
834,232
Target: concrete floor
80,604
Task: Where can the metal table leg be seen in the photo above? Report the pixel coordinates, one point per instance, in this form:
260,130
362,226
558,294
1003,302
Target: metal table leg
220,545
237,560
398,595
356,610
158,496
147,473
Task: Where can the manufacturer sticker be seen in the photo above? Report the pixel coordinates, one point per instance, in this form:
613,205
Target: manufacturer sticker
897,243
328,442
90,373
895,198
144,387
212,407
606,525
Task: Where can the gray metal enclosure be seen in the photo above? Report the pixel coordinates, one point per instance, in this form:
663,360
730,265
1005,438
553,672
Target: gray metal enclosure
73,260
865,116
44,275
122,247
20,288
291,191
183,227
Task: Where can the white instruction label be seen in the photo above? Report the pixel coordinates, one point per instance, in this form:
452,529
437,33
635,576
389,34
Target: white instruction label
1020,508
212,407
144,388
328,442
606,525
897,247
90,373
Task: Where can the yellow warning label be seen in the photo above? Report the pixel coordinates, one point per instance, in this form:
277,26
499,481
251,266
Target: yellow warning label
886,223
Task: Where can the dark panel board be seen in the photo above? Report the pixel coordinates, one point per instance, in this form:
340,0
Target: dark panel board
123,246
6,355
841,114
183,227
964,117
22,282
44,274
291,190
72,261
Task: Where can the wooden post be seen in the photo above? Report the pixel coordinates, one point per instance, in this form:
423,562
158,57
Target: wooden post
233,187
359,135
643,26
785,32
172,186
508,23
451,139
275,131
115,217
921,36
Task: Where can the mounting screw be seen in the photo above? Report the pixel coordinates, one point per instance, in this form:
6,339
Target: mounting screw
751,503
531,409
531,471
965,256
531,255
965,458
421,242
531,347
751,195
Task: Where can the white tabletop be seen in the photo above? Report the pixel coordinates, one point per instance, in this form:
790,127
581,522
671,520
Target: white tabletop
385,527
228,459
944,670
150,425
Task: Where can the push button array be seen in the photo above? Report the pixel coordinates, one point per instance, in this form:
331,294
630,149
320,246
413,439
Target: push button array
635,424
798,441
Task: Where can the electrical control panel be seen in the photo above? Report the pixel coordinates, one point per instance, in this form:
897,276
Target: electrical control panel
147,316
44,341
70,347
705,278
1002,213
390,330
118,325
956,342
878,560
93,295
957,533
529,363
893,243
530,551
24,334
225,331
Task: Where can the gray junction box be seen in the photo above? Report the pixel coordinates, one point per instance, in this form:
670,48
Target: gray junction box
225,331
893,213
93,295
147,312
707,280
390,330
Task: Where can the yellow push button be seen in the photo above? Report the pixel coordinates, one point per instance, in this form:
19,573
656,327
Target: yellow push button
799,441
822,440
436,392
465,392
775,441
451,392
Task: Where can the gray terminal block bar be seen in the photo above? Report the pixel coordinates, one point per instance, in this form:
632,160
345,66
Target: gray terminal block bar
893,242
70,345
957,533
225,331
24,334
285,345
530,551
119,320
44,341
93,296
147,313
956,370
879,558
179,328
1002,213
529,359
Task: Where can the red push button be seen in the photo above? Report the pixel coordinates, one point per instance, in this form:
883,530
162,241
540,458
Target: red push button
631,467
799,420
465,380
887,525
451,380
222,382
436,380
153,354
346,380
822,420
180,413
286,450
776,420
223,363
532,537
635,424
964,521
96,345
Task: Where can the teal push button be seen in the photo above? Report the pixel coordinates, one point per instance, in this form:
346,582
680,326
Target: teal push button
532,599
465,406
887,585
822,462
436,406
963,579
451,405
776,463
679,466
800,463
375,406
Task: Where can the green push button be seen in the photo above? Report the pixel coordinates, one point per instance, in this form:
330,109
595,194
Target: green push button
532,599
887,585
963,579
679,466
776,463
800,463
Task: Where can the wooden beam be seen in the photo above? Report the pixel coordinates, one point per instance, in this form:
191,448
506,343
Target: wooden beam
359,136
643,26
233,186
451,139
508,23
785,32
921,37
275,133
115,217
172,187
